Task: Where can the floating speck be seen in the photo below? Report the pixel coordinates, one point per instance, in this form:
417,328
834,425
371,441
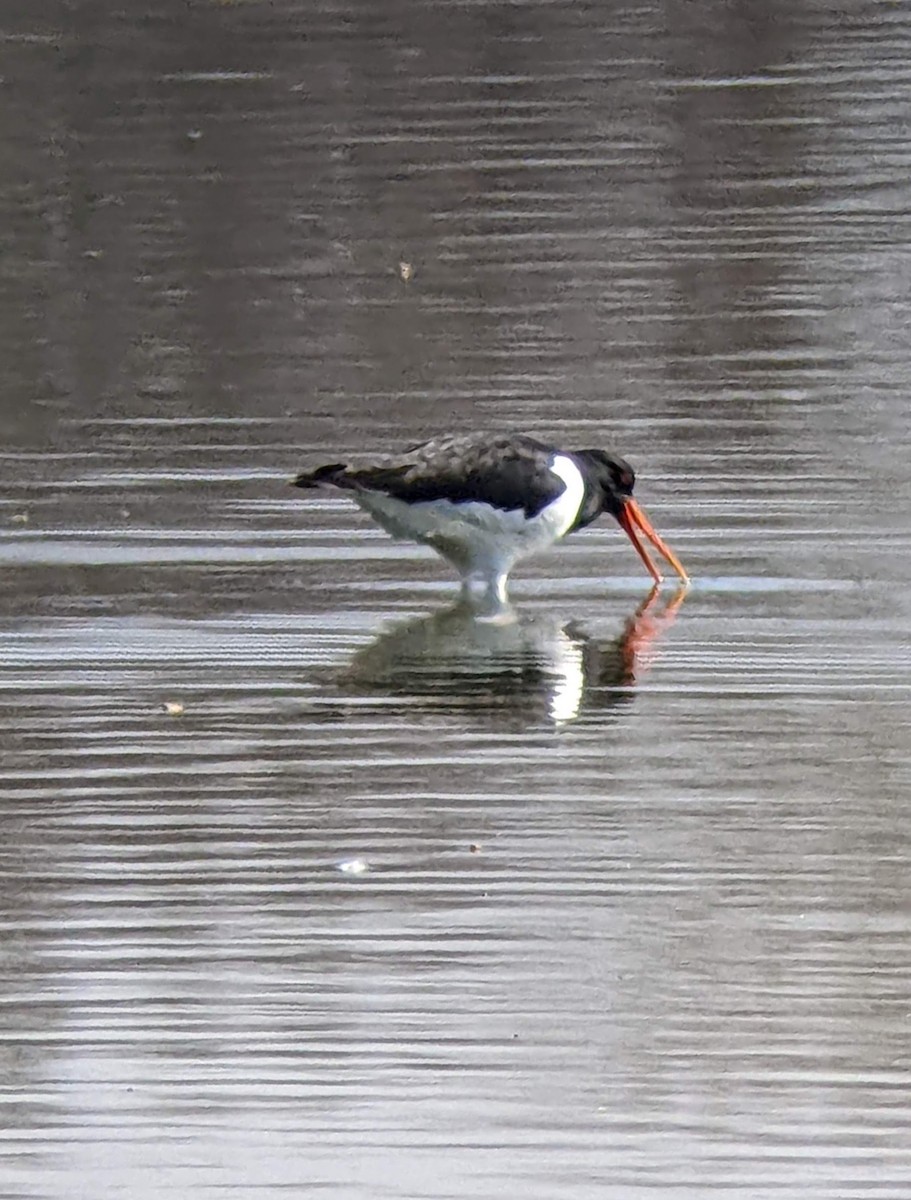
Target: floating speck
353,866
406,270
172,707
475,847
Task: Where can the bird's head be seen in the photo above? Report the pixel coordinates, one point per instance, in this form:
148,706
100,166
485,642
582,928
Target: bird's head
612,480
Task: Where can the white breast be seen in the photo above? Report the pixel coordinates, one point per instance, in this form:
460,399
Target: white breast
476,537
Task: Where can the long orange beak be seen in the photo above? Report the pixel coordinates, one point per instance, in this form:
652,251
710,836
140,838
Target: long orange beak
633,522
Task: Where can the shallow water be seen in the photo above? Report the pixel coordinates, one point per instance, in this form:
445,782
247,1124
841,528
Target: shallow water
309,883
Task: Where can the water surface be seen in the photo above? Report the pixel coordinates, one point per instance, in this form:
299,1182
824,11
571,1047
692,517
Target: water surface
306,883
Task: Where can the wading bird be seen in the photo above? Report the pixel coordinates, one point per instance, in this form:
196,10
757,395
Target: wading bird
485,503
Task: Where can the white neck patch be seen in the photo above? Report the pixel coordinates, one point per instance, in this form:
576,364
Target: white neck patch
562,512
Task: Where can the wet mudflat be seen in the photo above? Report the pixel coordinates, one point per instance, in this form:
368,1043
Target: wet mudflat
309,883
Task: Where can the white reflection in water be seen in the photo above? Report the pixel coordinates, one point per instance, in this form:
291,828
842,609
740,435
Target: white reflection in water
517,666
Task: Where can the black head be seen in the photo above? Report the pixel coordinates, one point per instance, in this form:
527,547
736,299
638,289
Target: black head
610,483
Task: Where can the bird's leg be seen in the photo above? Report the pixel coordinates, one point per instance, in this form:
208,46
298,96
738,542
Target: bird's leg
488,585
496,587
485,593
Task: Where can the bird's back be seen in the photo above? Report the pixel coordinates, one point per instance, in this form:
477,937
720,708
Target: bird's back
508,472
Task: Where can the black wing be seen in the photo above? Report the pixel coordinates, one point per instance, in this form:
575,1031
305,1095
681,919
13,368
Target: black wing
506,472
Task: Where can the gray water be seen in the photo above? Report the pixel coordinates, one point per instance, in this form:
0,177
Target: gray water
310,886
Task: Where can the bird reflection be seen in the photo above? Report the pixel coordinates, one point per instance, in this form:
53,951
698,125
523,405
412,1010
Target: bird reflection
515,666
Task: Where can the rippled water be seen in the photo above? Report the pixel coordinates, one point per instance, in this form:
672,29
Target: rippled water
307,882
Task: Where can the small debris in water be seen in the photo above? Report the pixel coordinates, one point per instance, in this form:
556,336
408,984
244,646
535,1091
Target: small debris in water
475,847
19,518
172,707
194,135
353,866
406,270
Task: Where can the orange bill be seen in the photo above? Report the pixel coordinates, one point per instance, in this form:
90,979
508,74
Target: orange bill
634,522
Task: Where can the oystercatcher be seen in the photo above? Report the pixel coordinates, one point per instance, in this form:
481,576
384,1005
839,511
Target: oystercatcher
485,503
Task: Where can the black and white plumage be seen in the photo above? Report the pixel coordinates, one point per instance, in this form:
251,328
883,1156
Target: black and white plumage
485,503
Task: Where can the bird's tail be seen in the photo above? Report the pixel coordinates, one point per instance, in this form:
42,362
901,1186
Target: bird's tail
325,474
